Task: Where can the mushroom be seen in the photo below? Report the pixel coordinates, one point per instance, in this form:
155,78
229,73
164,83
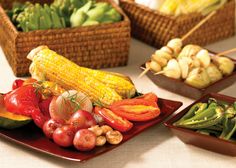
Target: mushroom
114,137
96,130
105,129
101,140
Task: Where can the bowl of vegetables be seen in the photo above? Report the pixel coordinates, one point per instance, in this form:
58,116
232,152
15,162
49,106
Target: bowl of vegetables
190,70
91,33
208,123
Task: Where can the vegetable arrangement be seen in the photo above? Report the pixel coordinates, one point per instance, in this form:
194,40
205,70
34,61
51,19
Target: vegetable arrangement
61,14
216,118
178,7
85,108
191,63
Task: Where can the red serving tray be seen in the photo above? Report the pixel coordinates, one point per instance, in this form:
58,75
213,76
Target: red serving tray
207,142
179,87
32,137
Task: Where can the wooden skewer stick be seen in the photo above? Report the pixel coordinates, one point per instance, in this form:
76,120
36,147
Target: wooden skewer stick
144,72
198,25
185,36
226,52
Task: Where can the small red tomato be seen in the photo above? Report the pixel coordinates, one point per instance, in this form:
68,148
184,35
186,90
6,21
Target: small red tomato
50,126
64,136
17,83
82,119
84,140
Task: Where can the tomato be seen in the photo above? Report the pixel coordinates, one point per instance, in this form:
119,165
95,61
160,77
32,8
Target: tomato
64,136
136,109
84,140
114,120
82,119
17,83
50,126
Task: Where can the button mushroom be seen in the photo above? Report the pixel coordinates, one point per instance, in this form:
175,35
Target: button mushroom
114,137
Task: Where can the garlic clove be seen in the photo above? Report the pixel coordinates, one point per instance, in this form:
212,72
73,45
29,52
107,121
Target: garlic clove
183,63
173,69
214,73
176,45
160,60
198,78
155,66
204,58
163,54
225,65
167,50
189,51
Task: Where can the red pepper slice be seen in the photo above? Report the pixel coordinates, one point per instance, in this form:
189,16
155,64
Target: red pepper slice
149,96
136,109
114,120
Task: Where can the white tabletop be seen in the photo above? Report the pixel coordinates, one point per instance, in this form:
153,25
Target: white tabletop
155,147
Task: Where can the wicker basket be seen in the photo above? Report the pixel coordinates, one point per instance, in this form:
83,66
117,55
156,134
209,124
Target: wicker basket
101,46
156,29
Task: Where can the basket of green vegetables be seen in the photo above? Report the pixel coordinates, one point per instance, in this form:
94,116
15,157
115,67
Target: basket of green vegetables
91,33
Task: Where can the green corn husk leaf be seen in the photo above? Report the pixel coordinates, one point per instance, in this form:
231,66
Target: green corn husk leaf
90,23
113,15
78,18
97,13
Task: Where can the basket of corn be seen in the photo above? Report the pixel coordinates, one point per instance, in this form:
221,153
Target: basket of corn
155,22
91,33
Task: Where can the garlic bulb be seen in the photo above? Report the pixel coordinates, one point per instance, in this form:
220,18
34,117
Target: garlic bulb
225,65
189,51
198,78
204,58
175,45
214,73
172,69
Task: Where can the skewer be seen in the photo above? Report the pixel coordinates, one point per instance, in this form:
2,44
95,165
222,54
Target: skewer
190,32
226,52
198,25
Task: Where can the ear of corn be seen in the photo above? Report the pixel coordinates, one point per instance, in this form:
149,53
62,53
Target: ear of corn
100,86
60,70
120,84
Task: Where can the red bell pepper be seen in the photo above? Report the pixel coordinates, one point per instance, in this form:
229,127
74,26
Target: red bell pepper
149,96
138,109
114,120
25,101
17,83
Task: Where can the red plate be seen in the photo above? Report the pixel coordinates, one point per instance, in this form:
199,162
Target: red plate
32,137
211,143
